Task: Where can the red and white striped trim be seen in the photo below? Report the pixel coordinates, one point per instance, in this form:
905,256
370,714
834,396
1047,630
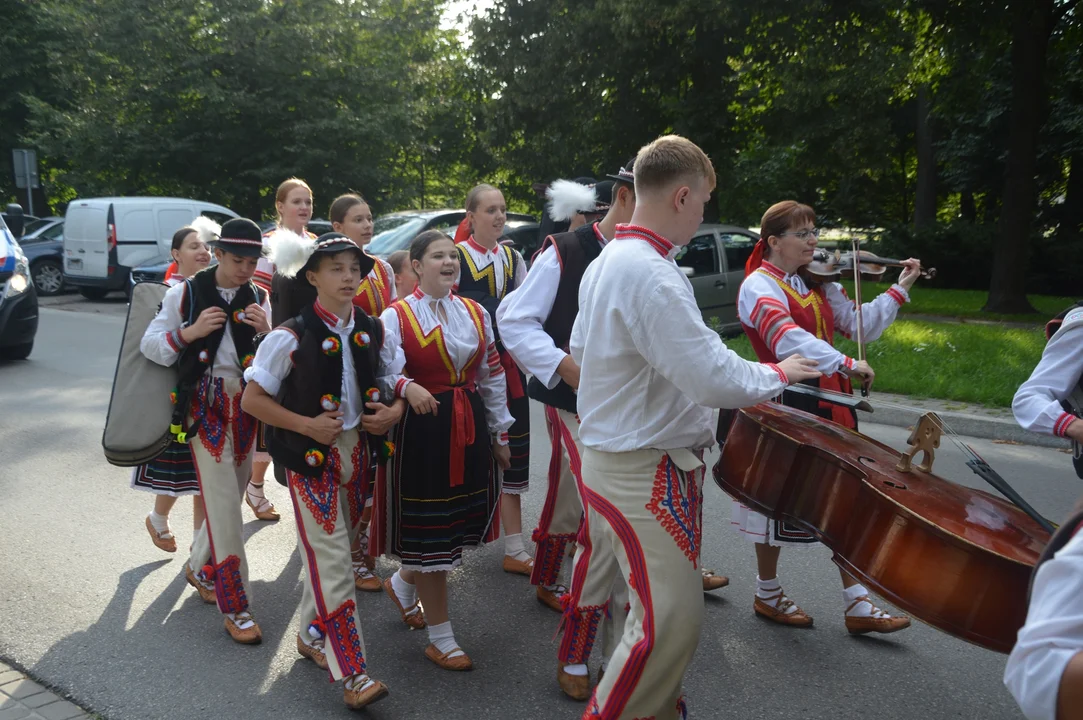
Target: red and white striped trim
334,321
896,295
781,375
773,270
400,387
502,438
240,241
598,234
175,340
471,242
848,362
1063,422
772,320
637,232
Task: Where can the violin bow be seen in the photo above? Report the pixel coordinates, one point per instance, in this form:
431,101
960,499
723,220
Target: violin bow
860,334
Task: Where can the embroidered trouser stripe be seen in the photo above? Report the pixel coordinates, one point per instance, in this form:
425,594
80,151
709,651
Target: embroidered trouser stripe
562,513
645,674
327,600
222,483
596,580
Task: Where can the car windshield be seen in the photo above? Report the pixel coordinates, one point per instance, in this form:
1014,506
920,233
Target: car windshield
35,225
393,233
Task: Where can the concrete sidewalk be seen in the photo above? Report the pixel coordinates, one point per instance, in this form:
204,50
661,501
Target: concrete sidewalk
22,698
964,418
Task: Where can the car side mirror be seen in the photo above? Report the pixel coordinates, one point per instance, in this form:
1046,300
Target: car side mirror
15,219
688,272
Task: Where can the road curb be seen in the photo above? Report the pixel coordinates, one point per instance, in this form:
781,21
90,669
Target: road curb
966,424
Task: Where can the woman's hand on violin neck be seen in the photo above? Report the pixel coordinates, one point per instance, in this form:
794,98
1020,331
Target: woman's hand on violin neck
797,369
911,272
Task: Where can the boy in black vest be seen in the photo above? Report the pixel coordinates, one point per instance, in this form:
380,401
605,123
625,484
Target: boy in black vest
208,325
536,323
314,383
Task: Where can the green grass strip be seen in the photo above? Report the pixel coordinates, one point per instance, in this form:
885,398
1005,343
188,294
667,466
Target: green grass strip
962,303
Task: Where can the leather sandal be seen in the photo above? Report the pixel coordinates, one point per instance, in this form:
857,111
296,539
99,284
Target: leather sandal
365,695
577,687
460,663
518,567
797,618
265,510
312,652
713,581
551,598
414,616
205,590
365,580
862,625
250,635
162,540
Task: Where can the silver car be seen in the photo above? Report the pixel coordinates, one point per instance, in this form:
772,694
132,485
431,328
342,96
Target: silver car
714,262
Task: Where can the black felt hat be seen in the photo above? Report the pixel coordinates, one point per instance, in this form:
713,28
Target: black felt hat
242,237
332,243
626,173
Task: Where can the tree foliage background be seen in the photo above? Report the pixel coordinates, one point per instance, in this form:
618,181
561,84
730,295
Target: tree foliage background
952,127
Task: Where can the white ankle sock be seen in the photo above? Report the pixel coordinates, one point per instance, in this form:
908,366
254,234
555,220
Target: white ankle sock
766,590
862,609
243,620
513,547
579,670
160,523
357,682
444,640
255,491
404,591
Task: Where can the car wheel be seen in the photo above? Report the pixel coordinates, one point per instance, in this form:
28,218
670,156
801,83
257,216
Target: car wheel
93,293
48,277
17,352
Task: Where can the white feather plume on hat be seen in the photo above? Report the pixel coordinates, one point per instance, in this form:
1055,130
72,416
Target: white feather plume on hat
290,251
566,198
207,230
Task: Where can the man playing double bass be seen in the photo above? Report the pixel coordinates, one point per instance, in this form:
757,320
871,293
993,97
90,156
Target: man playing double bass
784,316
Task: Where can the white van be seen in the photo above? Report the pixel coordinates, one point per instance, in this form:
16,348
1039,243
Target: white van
104,238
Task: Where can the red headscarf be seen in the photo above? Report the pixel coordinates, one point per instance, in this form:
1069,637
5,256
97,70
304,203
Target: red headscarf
756,258
463,232
171,270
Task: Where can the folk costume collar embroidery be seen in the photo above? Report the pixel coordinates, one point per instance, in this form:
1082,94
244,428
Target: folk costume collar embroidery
598,234
482,249
334,322
637,232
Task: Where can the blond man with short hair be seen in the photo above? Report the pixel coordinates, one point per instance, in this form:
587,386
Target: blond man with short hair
644,354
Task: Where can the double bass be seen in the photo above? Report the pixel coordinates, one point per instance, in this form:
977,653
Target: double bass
956,558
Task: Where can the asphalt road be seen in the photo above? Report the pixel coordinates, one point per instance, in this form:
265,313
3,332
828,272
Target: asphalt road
88,605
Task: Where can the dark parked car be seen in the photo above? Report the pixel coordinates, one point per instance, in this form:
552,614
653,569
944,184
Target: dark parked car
17,221
396,230
43,245
18,300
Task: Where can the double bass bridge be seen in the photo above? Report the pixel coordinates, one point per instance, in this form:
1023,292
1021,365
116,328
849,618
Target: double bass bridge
925,438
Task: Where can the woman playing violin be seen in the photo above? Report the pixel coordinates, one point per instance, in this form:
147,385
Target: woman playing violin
783,316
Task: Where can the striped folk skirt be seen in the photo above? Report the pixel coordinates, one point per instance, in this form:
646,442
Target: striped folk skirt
172,473
418,516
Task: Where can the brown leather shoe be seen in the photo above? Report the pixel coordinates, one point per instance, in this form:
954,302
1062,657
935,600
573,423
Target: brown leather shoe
518,567
713,581
249,635
357,699
413,620
577,687
364,579
797,618
551,599
205,590
460,663
312,653
265,510
862,625
169,544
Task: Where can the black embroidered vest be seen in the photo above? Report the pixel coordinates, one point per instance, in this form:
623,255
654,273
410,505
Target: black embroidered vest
314,386
480,284
577,250
200,293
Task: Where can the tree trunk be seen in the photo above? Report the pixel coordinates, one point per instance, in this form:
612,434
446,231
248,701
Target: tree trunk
967,208
1071,215
1032,25
925,193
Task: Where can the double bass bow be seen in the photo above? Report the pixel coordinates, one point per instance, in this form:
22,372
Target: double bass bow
954,557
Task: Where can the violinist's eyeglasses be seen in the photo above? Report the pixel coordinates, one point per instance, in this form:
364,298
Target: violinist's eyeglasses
803,234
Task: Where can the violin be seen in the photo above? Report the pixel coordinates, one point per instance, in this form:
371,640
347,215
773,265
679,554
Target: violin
830,267
956,558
